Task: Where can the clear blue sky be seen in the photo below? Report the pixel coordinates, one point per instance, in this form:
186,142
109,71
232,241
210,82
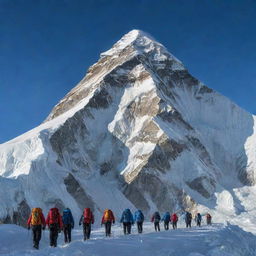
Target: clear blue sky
46,46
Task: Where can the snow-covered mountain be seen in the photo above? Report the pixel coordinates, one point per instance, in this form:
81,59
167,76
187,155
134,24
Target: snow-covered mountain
138,131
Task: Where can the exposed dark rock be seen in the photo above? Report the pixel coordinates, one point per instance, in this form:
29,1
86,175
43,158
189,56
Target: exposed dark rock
205,89
165,197
106,167
198,185
113,78
23,213
182,77
174,116
146,105
6,220
66,134
200,149
101,99
165,151
246,178
134,195
19,216
78,193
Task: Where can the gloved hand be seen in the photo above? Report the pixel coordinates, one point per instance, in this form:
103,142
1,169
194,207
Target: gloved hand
113,222
80,223
43,227
72,226
59,230
28,227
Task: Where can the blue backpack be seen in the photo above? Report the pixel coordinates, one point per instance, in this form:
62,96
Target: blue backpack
139,216
67,217
127,216
166,217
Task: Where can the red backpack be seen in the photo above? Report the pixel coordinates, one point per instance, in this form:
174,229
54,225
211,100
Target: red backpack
174,217
54,216
88,217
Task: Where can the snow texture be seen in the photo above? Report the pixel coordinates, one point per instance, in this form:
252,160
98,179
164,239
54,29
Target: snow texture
216,240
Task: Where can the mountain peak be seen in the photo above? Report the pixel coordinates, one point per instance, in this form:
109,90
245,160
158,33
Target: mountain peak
134,37
135,34
134,49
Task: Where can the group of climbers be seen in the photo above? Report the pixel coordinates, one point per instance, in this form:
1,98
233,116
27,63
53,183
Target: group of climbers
168,218
57,222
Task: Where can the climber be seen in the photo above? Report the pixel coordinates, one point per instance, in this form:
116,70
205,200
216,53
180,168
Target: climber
156,219
54,222
87,219
166,219
127,220
188,219
208,219
198,219
174,220
37,222
139,218
68,224
108,219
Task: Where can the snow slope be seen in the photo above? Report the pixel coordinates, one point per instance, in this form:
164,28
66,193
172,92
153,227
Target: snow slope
217,240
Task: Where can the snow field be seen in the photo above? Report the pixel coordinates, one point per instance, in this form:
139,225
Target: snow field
215,240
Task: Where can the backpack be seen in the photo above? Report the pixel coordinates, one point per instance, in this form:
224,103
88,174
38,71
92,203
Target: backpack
174,217
36,216
139,216
87,215
188,216
107,215
157,217
54,216
127,215
66,218
167,216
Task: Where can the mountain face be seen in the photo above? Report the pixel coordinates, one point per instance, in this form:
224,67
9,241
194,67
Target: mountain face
138,131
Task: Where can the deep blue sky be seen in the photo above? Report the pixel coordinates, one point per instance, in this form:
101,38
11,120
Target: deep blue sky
46,47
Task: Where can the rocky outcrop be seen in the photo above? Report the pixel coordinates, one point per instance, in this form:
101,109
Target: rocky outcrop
19,216
78,193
